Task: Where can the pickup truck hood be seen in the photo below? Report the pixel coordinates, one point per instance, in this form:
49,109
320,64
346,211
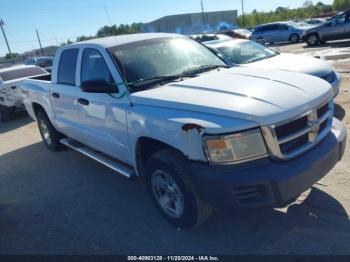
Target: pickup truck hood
296,63
265,97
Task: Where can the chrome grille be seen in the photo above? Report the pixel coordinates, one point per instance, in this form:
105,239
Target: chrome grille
290,139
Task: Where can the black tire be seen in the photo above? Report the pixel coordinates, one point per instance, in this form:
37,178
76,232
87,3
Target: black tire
53,143
174,164
6,113
294,38
313,40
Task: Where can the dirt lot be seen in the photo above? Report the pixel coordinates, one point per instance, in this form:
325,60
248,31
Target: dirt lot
64,203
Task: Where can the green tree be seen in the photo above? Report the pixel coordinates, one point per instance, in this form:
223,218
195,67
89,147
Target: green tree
11,56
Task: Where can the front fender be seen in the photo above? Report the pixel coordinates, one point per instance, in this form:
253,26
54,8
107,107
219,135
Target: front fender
182,130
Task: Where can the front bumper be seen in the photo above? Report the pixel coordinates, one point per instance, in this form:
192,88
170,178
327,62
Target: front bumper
267,182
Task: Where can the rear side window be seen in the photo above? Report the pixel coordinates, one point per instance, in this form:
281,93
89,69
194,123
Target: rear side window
283,27
21,73
274,27
67,66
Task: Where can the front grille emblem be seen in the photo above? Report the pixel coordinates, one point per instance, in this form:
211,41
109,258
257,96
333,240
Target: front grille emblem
314,124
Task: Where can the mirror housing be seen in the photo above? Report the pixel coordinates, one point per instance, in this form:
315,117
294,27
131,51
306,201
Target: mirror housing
98,86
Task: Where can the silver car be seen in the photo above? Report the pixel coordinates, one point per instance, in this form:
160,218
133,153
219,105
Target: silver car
251,54
337,28
278,32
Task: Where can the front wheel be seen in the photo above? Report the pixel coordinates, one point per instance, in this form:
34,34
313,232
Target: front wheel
312,40
173,190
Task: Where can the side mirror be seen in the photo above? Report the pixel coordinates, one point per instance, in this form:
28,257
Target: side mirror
98,86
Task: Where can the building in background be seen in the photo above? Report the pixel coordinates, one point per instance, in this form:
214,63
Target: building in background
194,23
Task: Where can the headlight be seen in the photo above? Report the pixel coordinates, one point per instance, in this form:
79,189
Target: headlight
235,148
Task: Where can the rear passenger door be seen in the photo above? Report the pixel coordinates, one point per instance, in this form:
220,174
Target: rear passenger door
63,94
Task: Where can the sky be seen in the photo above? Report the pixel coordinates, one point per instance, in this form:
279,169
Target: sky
60,20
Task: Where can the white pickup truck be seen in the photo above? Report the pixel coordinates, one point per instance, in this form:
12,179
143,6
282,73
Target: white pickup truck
204,136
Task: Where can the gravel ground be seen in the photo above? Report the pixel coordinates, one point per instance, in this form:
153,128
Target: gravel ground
64,203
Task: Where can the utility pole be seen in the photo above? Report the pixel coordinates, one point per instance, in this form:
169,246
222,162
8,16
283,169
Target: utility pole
243,13
7,43
203,14
41,48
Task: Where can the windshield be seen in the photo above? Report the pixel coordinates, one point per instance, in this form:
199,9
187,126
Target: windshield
244,52
152,59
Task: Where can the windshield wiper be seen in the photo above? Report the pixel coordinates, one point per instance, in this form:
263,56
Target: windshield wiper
204,68
164,78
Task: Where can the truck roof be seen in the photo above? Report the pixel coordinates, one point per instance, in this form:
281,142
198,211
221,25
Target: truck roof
112,41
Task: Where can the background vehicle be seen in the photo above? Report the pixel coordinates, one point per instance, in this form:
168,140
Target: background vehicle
203,135
337,28
239,33
41,61
278,32
10,92
209,37
251,54
315,21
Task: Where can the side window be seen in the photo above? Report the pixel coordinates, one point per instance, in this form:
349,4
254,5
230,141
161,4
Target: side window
283,27
67,66
94,67
274,27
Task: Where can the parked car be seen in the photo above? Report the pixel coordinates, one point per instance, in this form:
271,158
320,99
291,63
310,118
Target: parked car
239,33
41,61
209,37
10,94
278,32
337,28
251,54
164,107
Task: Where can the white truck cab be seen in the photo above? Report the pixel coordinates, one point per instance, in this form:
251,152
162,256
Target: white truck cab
203,135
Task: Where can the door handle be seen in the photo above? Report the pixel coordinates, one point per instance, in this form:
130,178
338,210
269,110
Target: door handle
83,101
55,95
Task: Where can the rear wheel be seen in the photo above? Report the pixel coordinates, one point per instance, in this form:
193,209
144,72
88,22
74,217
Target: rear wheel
173,190
313,40
51,137
294,38
6,113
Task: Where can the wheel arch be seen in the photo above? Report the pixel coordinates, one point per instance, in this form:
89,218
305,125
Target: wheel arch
145,147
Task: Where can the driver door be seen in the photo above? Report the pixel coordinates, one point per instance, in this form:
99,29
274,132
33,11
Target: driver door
102,116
